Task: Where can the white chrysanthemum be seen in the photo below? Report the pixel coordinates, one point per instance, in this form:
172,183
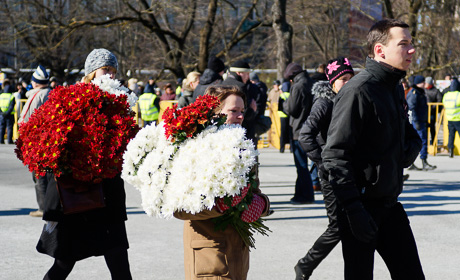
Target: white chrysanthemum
213,164
113,86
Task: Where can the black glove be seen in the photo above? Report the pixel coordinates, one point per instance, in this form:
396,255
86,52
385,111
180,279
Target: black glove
418,126
361,223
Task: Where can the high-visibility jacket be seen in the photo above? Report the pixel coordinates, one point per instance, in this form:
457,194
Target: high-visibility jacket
451,102
179,91
5,100
149,112
284,96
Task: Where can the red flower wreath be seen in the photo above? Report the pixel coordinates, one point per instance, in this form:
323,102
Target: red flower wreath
81,130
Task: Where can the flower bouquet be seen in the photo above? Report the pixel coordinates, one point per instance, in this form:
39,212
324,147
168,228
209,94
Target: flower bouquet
193,162
82,131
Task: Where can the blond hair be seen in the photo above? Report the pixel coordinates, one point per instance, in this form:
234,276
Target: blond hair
191,78
88,78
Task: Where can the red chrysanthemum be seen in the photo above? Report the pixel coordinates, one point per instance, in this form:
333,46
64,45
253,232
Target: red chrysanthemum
81,130
187,122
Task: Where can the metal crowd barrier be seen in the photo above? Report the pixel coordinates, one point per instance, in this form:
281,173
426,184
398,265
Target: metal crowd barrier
272,137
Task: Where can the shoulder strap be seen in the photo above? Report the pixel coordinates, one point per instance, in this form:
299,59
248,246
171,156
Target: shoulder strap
28,107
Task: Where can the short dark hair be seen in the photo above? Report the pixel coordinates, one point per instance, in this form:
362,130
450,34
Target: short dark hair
380,33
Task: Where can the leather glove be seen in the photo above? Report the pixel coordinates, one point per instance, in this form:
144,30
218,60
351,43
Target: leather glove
418,126
361,223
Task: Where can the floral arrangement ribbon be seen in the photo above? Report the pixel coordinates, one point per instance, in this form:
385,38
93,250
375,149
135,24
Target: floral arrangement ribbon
82,129
192,162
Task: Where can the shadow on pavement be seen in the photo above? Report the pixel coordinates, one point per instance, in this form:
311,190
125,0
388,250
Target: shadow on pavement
410,203
17,212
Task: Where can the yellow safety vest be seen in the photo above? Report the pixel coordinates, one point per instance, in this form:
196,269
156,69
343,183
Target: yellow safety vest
149,112
178,91
5,99
284,96
451,102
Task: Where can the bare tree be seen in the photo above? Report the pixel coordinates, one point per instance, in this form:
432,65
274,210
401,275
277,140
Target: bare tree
283,32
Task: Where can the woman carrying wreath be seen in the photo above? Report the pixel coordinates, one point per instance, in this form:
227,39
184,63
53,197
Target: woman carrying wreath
69,238
220,254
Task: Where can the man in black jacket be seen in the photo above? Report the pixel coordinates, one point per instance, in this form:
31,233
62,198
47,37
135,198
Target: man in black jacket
298,107
211,76
369,143
239,76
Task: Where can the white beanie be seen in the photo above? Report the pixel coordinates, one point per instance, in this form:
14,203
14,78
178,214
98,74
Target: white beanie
40,76
99,58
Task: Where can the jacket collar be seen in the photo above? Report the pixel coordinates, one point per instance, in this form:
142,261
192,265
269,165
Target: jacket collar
384,72
300,76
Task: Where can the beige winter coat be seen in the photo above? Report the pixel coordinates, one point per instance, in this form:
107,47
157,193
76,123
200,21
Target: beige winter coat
210,254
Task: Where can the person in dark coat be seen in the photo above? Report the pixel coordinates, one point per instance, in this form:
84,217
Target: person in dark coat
69,238
433,95
312,138
320,74
369,143
285,128
417,102
297,107
150,86
239,76
211,76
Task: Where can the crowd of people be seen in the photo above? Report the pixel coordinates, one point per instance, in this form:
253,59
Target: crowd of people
358,131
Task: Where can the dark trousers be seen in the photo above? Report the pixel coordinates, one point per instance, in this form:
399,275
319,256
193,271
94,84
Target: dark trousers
424,136
6,124
285,134
41,184
303,184
454,126
329,239
394,242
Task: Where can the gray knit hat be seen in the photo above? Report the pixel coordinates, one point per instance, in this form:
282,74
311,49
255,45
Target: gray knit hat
99,58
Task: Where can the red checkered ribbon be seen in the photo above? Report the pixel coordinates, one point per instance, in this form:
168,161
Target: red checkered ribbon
255,210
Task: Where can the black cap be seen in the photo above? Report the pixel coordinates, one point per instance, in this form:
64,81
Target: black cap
215,64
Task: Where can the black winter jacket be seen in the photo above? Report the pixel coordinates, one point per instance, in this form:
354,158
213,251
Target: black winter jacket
208,78
252,92
313,133
370,140
298,105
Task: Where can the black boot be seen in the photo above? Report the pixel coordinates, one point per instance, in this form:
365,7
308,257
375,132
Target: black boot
302,271
427,166
451,153
413,167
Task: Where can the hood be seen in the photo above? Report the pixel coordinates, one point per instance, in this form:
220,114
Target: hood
323,89
454,85
209,76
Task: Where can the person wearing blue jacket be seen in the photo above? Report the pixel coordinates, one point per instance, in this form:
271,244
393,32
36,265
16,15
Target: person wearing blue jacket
417,102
